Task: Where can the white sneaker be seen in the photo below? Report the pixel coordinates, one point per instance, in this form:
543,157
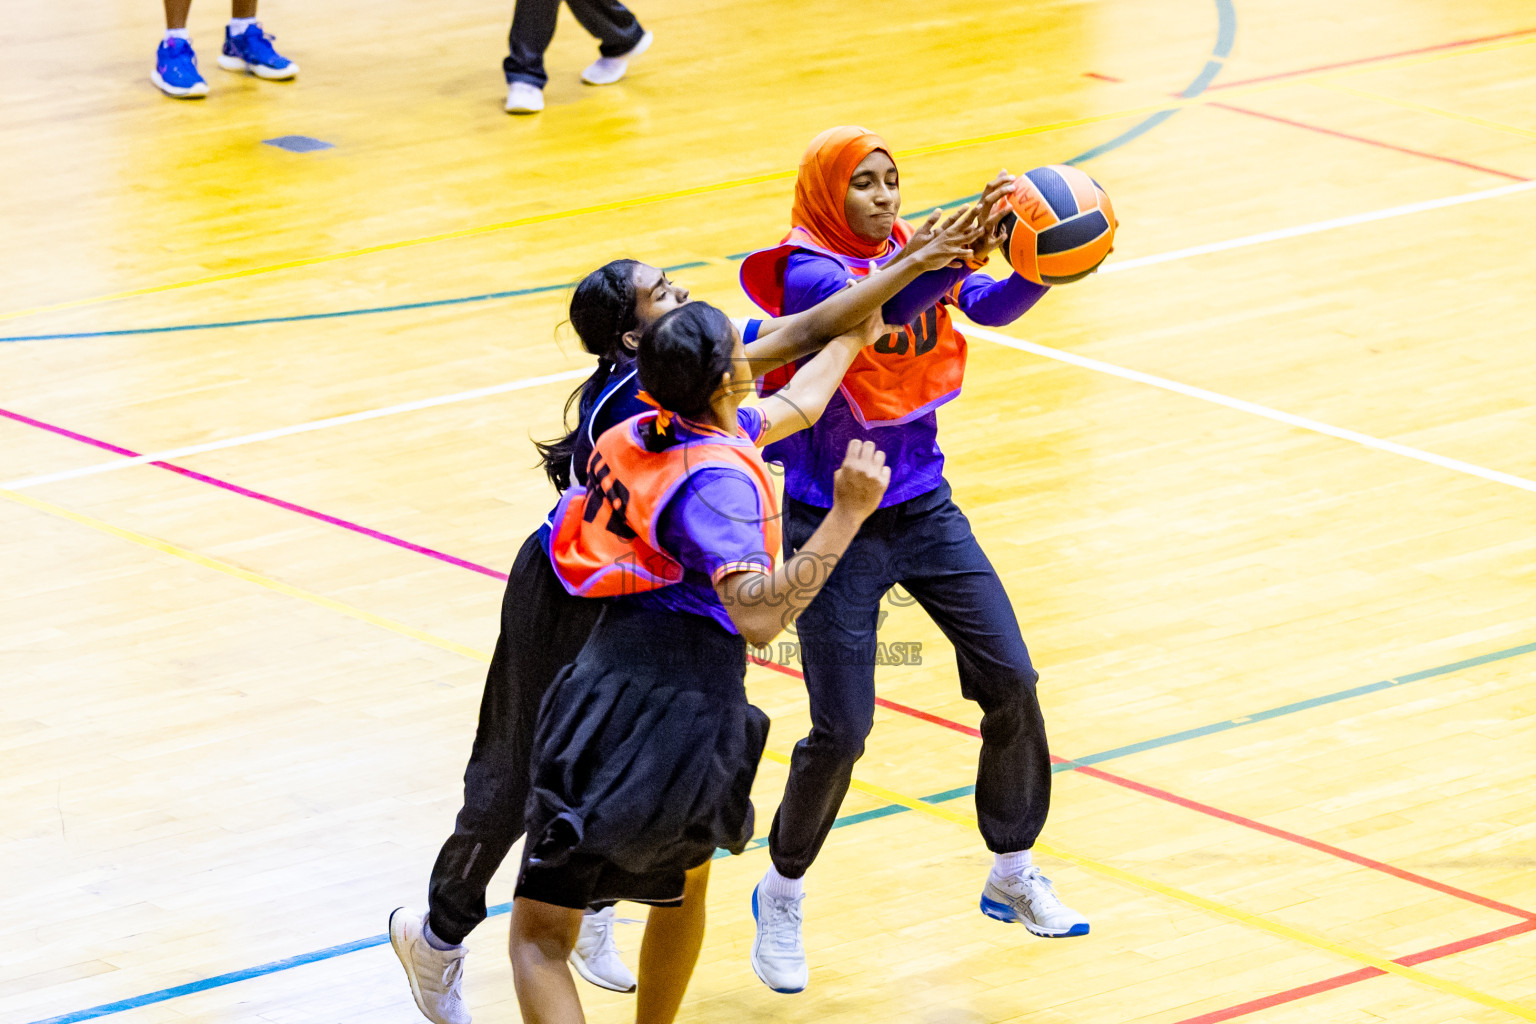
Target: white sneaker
523,98
434,973
778,954
1028,899
607,70
595,956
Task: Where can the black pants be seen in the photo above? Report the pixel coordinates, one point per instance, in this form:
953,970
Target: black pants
533,26
926,545
542,630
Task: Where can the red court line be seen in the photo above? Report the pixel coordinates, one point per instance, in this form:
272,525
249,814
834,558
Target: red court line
1291,995
1216,812
345,524
784,669
1368,142
1369,60
1293,837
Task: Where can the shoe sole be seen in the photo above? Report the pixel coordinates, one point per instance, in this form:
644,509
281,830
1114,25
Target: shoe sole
580,967
753,958
229,63
1006,914
191,92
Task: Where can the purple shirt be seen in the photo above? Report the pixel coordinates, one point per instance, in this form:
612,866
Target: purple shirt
812,456
711,522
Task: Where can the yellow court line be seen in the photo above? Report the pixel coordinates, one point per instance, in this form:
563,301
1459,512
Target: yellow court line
1422,108
166,547
1212,906
756,179
879,792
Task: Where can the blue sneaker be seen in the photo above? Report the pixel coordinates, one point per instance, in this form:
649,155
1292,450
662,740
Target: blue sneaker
251,51
176,70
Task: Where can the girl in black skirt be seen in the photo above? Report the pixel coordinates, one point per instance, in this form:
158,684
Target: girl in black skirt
543,627
646,747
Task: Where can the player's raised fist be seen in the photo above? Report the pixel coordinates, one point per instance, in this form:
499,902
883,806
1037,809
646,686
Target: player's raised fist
861,480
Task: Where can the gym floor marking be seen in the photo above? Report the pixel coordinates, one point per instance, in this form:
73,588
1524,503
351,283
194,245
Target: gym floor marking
1207,248
1369,142
1480,122
1156,110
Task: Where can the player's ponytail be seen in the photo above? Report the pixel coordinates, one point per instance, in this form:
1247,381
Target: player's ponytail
682,356
602,312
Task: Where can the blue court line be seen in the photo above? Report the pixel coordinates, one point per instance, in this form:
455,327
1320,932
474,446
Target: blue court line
275,966
1226,32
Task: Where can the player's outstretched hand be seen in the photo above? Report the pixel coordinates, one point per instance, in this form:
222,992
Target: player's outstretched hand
936,244
993,210
861,480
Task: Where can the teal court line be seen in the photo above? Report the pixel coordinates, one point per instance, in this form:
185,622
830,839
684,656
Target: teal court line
330,952
1226,33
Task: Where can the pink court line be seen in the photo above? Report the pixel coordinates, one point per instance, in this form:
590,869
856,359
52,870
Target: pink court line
233,488
1291,995
1369,142
891,705
1369,60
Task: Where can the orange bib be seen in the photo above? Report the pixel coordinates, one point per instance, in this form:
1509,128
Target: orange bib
909,372
603,539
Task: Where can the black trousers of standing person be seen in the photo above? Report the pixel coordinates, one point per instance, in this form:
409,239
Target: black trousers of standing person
542,630
533,26
926,545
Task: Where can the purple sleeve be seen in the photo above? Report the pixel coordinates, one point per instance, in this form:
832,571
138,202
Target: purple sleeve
910,303
751,420
713,523
996,303
810,278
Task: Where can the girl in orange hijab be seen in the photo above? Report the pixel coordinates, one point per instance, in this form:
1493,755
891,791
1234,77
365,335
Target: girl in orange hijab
844,224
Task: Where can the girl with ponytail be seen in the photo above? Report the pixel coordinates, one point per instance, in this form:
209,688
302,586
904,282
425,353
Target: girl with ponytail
645,750
543,627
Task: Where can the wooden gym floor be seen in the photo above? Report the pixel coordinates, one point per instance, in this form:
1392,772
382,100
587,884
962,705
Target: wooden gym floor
1262,493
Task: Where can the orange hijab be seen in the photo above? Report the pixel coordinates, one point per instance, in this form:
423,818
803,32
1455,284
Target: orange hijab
822,187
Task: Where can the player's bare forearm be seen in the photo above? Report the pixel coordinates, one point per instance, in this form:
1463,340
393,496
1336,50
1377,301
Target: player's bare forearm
787,338
800,403
763,605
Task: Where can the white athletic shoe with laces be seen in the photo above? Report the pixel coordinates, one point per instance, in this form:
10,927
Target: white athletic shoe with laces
1029,899
434,973
607,70
778,954
595,956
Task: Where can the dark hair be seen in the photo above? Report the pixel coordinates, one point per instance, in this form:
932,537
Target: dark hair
602,312
683,355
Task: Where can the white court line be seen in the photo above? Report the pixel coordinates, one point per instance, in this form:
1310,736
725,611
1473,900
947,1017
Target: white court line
298,428
1132,264
1253,409
1322,225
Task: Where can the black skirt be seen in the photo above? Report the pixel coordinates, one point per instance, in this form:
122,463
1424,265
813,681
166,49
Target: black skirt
643,761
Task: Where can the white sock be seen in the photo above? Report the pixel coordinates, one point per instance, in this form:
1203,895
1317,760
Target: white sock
433,940
178,33
775,884
239,25
1011,865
